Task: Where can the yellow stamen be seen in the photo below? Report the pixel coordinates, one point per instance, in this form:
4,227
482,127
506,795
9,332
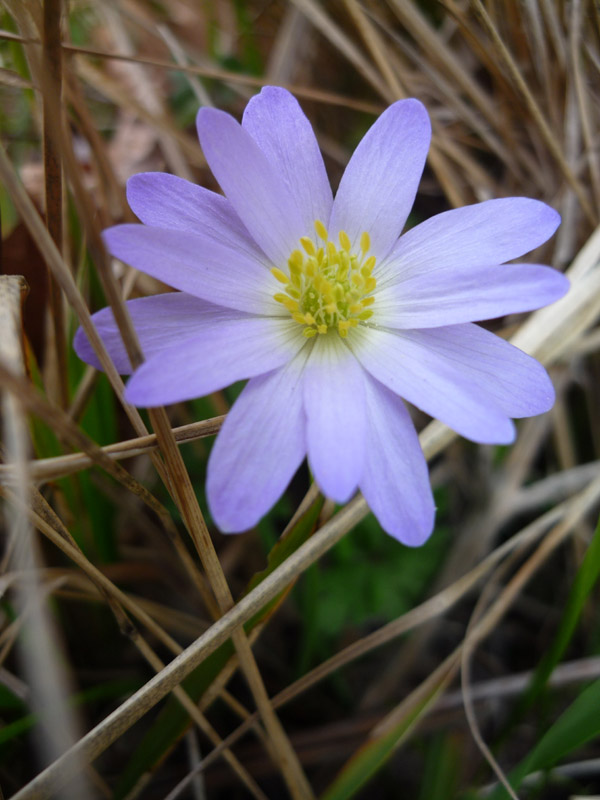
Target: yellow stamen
345,241
321,230
328,288
308,245
280,275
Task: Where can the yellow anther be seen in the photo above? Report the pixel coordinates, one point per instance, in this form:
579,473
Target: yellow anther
286,300
296,260
321,230
345,241
280,275
342,273
329,285
308,245
369,264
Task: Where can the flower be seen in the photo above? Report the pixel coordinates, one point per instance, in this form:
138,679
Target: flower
330,313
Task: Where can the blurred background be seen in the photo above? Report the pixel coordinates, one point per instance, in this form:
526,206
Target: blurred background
101,583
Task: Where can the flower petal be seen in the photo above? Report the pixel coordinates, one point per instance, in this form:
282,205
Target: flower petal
160,321
445,373
258,449
223,353
197,264
256,188
485,233
335,416
450,295
278,125
379,185
161,200
395,482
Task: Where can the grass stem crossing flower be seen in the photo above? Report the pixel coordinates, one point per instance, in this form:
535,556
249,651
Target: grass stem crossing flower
331,313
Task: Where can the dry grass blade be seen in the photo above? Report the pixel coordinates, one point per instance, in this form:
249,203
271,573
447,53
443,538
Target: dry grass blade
552,333
45,519
40,648
331,30
59,421
281,748
535,111
584,101
376,47
52,105
447,670
64,277
48,469
307,92
432,608
111,728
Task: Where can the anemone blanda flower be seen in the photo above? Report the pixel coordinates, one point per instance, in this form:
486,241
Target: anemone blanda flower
330,313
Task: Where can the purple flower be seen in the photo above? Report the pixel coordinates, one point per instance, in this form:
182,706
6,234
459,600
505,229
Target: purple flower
328,311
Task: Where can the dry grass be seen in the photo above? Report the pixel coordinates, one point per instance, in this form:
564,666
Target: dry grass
127,579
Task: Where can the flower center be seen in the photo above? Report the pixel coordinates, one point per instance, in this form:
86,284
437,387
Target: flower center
328,287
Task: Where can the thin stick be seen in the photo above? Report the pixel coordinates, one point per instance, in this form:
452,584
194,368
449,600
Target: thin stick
128,713
52,61
535,112
287,759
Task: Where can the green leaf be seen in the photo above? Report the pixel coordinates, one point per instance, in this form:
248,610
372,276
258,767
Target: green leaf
374,754
575,727
585,580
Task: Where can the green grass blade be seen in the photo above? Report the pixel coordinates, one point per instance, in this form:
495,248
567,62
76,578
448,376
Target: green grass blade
373,755
585,580
579,724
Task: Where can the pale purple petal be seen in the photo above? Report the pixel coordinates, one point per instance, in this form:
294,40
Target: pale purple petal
335,416
280,128
160,321
395,482
379,185
441,372
166,201
254,186
485,233
197,264
224,353
451,295
258,449
491,367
